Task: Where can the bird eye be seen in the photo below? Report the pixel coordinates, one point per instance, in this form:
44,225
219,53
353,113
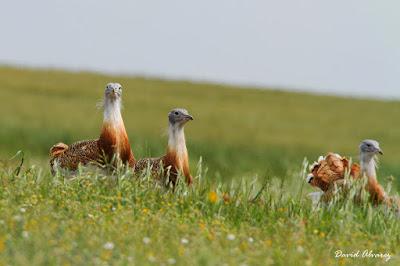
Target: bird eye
176,113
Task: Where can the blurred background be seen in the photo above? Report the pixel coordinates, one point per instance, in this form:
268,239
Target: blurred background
247,70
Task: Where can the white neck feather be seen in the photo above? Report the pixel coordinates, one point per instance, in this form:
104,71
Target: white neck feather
112,112
176,140
368,165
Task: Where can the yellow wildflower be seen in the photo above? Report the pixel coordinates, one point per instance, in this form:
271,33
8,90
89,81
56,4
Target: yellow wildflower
202,225
268,242
212,197
2,244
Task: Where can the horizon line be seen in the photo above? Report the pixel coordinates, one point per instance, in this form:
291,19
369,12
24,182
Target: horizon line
209,81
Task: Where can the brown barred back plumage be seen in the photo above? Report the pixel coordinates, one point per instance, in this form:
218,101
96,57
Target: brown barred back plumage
82,152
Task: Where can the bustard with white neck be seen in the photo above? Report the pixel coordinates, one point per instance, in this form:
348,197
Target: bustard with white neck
176,160
112,145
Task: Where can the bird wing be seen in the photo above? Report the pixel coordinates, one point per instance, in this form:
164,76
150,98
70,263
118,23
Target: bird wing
69,157
330,169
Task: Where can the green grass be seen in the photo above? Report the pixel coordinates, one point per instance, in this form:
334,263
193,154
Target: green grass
240,134
100,220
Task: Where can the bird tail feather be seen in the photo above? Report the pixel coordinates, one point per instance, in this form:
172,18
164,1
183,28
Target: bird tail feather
58,149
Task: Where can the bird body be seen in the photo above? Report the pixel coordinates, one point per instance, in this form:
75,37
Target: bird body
329,172
329,169
176,159
113,143
69,157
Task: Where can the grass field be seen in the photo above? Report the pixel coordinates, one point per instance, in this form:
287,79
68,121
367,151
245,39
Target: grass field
248,139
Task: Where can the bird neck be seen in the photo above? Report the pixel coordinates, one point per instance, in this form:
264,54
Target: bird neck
112,112
176,141
368,166
114,140
177,155
368,169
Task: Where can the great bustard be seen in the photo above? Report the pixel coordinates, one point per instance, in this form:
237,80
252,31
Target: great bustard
176,160
112,145
329,172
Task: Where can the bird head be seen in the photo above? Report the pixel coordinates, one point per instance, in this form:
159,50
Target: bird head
370,148
179,117
113,91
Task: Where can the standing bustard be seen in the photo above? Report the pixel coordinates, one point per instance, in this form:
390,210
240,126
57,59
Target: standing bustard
176,161
113,143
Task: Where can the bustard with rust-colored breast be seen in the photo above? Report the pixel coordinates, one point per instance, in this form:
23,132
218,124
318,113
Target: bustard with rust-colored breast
369,149
112,145
175,162
329,172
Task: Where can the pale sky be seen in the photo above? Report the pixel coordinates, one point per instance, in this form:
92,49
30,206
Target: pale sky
337,47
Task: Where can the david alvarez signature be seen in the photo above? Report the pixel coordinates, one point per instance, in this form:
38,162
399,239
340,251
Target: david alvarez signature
367,254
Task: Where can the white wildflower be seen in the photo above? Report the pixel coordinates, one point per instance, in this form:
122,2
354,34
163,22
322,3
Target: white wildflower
230,237
17,218
300,249
108,246
184,241
25,234
171,261
146,240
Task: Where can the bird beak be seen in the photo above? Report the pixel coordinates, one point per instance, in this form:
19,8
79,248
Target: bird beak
189,117
115,94
380,152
